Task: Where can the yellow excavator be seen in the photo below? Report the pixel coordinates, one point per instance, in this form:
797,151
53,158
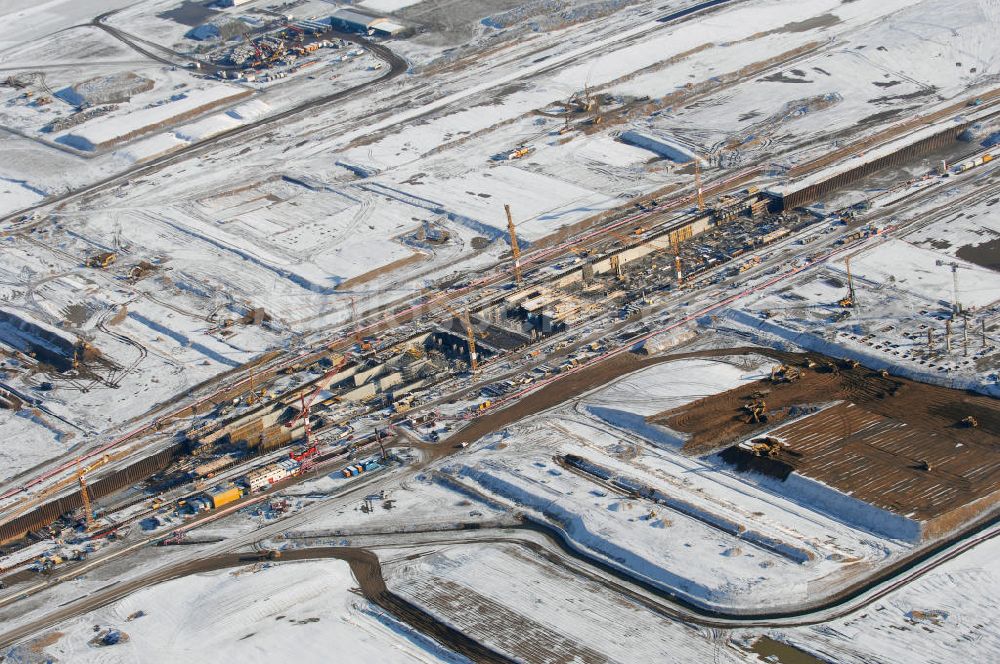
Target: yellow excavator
757,410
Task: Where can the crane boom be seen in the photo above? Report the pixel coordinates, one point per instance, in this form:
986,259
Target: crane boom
514,248
954,274
321,385
697,184
470,335
850,279
88,510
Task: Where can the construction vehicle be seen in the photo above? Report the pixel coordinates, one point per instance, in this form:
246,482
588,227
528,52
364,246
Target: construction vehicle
519,152
514,248
766,447
102,260
470,335
757,410
848,301
783,373
969,422
302,453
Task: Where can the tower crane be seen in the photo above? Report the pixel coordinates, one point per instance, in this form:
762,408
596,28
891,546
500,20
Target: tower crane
514,248
470,335
850,299
81,478
256,49
956,307
362,344
697,184
306,401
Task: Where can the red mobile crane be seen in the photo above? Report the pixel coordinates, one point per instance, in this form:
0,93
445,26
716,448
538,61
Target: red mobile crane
307,401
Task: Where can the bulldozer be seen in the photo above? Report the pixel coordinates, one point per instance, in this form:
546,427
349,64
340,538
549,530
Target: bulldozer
766,447
102,260
784,373
756,410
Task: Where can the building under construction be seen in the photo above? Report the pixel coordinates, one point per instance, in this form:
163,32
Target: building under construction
47,343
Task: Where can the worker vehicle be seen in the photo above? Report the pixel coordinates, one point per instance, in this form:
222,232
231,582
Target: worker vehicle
766,447
102,260
757,410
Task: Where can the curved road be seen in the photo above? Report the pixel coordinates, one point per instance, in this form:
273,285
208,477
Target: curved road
366,567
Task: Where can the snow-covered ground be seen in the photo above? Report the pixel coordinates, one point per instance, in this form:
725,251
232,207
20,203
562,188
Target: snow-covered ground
945,616
305,611
530,608
710,535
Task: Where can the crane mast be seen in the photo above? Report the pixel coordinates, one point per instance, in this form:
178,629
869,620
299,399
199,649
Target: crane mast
88,510
514,248
470,335
697,184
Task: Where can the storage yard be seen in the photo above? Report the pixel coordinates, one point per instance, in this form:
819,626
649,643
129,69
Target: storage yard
499,331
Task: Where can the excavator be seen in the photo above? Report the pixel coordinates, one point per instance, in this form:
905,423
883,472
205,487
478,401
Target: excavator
757,410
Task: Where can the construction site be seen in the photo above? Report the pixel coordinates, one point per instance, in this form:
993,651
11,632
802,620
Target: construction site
473,333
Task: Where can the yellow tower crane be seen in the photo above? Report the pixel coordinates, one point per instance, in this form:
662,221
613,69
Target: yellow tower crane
514,248
359,339
88,510
81,478
470,335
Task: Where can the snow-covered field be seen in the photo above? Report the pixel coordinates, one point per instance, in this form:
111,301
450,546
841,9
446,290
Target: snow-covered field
300,217
711,536
945,616
303,610
534,609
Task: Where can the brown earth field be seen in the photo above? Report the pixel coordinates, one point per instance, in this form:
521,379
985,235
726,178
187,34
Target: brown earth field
891,442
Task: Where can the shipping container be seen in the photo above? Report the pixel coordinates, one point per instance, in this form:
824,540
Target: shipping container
372,465
223,495
987,158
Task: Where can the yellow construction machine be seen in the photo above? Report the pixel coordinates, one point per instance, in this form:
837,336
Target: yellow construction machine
102,260
757,410
766,447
